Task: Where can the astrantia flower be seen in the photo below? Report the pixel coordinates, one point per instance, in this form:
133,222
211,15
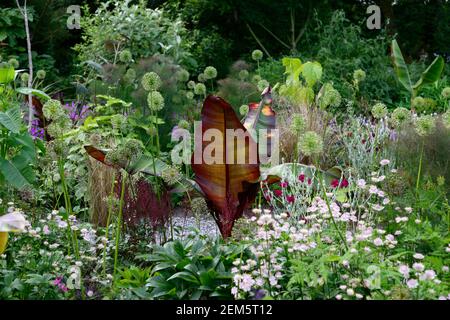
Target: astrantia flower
400,116
210,72
257,55
379,110
418,266
404,270
425,125
446,93
418,256
359,75
200,89
243,74
125,56
243,110
385,162
155,101
298,124
151,81
310,143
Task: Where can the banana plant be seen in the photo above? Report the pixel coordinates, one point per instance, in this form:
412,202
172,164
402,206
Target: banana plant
429,76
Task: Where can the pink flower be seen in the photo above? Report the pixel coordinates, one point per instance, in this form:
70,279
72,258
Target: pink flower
284,184
290,198
278,193
412,283
301,177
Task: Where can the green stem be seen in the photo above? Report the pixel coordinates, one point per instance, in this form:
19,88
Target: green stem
108,220
118,228
419,171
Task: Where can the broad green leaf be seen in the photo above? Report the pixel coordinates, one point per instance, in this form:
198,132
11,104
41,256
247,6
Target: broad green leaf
7,75
12,174
34,92
11,119
293,68
432,73
401,69
312,72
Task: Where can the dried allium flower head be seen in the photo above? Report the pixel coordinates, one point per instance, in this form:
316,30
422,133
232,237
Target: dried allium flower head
446,93
359,75
257,55
41,74
53,110
199,206
210,72
200,89
262,84
446,119
243,74
190,95
24,77
201,77
331,97
400,116
183,124
130,75
310,143
425,125
13,63
151,81
125,56
243,110
155,101
183,75
298,124
171,175
191,84
379,110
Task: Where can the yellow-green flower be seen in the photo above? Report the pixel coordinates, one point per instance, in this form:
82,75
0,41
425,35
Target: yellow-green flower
183,124
262,84
298,124
151,81
359,75
446,93
191,84
210,72
200,89
425,125
155,101
257,55
243,74
183,75
379,110
446,119
243,110
125,56
310,143
41,74
13,63
400,116
24,77
53,110
201,77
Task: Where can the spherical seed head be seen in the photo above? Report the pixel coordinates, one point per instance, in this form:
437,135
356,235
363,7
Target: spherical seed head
210,72
257,55
155,101
171,176
201,77
130,75
400,116
379,110
52,109
199,206
183,124
446,119
191,84
298,124
151,81
243,74
13,63
190,95
359,75
310,143
200,89
41,74
125,56
262,84
425,125
243,110
183,75
332,98
24,77
446,93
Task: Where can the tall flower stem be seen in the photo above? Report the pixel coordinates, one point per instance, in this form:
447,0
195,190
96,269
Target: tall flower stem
119,224
419,170
108,220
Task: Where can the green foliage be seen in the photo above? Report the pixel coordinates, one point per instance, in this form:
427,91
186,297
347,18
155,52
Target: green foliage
192,269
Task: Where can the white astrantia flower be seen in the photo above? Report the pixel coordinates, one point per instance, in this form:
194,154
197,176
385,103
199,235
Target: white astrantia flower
13,222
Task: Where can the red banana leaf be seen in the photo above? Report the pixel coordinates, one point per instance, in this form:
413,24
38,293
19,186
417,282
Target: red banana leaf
229,188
